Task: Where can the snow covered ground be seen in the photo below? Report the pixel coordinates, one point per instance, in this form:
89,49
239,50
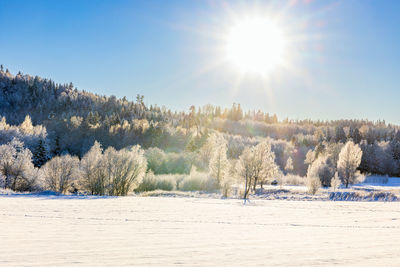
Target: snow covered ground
380,182
49,230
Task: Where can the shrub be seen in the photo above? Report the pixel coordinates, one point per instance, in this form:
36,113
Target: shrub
199,181
153,182
335,182
125,169
322,168
313,184
292,179
160,162
16,169
60,172
114,172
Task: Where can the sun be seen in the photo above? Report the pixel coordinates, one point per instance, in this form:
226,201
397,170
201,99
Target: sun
255,45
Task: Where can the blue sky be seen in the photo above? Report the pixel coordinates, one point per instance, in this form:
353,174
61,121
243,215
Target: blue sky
344,55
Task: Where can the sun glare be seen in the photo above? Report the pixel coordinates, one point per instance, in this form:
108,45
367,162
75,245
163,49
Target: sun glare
255,45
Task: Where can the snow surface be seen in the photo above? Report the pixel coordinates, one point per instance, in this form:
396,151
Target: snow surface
65,230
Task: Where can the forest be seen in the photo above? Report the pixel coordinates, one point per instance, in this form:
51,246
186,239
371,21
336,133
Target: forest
56,137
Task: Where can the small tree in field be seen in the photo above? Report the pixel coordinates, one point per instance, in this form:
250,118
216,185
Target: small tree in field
289,165
322,168
60,172
313,184
349,160
265,167
92,171
219,165
256,164
245,169
335,182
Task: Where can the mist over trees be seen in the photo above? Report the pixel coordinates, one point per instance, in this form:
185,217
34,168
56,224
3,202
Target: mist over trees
42,122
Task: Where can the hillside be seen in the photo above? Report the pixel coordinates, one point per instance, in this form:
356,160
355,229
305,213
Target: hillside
70,120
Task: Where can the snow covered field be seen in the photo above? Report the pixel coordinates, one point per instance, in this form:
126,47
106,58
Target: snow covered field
48,230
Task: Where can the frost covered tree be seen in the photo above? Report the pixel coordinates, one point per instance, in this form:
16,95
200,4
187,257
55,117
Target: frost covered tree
26,126
219,164
93,174
256,164
265,167
310,157
349,160
206,151
125,169
289,165
244,170
60,173
40,156
114,172
335,182
313,184
16,168
218,161
323,168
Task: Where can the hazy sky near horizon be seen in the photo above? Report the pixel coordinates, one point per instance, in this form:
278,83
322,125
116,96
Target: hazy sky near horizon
343,57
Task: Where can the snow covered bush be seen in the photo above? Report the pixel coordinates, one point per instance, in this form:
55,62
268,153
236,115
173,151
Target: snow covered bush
125,169
199,181
289,165
323,168
335,182
313,184
16,168
291,179
60,173
160,162
93,173
153,182
114,172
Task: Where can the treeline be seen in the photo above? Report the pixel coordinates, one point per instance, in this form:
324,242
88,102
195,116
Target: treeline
69,121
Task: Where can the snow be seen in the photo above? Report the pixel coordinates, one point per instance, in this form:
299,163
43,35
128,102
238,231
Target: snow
380,182
47,229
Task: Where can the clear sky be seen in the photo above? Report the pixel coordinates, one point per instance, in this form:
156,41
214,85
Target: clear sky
342,57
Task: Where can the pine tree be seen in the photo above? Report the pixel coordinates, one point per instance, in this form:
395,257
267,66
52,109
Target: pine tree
40,154
57,148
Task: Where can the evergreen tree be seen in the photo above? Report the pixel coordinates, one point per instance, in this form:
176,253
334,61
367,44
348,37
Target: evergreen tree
40,154
57,148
